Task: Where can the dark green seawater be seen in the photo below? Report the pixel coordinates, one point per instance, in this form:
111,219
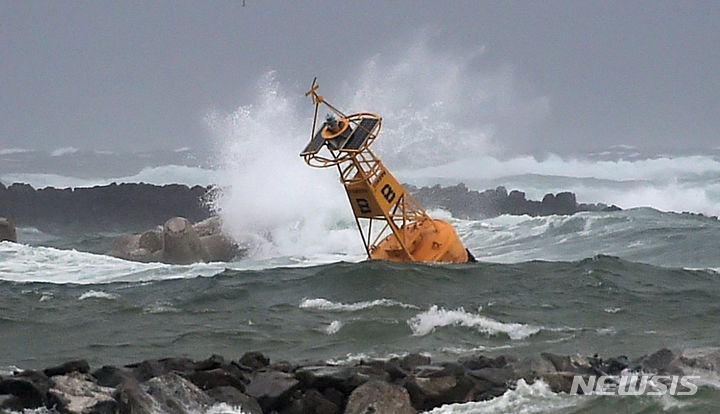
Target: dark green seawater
57,305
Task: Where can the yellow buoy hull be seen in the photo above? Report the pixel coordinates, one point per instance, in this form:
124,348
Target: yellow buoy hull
429,240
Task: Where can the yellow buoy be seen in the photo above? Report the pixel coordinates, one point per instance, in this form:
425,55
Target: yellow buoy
392,224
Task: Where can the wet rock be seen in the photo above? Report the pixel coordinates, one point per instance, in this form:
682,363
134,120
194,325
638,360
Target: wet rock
429,371
254,360
234,397
577,364
367,373
151,241
315,403
657,362
391,367
614,366
325,376
379,398
174,394
79,365
208,227
271,388
479,361
283,366
495,376
705,360
220,248
180,365
215,361
560,381
76,393
29,388
214,378
335,396
110,376
132,399
427,393
182,244
7,231
411,361
533,367
148,369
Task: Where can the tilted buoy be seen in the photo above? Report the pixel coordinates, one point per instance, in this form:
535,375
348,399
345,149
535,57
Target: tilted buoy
392,224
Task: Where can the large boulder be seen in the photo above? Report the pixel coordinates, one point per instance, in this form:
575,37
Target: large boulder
79,365
182,243
174,394
379,398
75,393
7,230
271,389
28,389
178,242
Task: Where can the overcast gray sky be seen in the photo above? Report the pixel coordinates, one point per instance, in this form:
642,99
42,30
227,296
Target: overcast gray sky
128,76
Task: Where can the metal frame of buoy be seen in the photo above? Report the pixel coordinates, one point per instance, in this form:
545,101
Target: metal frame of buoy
374,193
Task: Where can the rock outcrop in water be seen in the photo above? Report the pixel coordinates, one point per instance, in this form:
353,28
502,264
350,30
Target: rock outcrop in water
398,385
7,230
465,203
178,242
135,207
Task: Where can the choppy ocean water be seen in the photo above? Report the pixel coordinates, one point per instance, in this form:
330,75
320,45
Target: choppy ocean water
612,283
616,283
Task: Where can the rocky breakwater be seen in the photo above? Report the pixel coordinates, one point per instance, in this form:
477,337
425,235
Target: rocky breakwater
465,203
400,385
135,207
107,208
178,242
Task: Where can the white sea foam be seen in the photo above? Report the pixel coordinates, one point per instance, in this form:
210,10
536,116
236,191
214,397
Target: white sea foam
334,327
225,408
64,151
324,304
525,398
22,263
270,199
426,322
97,294
11,151
160,306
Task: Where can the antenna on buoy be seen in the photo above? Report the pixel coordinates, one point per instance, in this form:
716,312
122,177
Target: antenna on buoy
392,224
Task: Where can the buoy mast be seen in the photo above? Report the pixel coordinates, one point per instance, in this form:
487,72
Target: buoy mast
392,224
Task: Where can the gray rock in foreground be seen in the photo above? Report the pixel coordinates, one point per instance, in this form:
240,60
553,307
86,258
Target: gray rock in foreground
398,385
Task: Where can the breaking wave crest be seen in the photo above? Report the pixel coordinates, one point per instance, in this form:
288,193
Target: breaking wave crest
426,322
324,304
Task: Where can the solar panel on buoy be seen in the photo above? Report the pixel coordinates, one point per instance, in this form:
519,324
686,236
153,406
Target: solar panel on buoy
361,134
315,144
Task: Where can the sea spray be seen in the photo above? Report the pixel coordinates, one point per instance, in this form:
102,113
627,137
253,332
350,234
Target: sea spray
269,199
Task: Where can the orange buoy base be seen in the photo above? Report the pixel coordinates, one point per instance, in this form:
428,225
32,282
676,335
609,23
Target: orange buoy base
429,240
